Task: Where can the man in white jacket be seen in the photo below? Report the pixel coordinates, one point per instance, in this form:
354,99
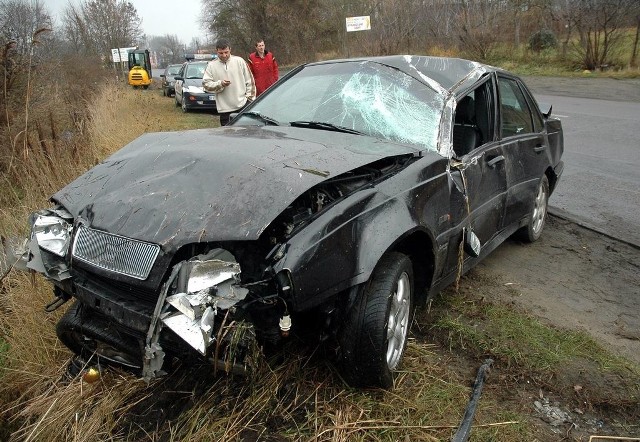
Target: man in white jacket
230,78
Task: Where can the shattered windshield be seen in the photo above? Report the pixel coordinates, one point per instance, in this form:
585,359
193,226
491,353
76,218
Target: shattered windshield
363,97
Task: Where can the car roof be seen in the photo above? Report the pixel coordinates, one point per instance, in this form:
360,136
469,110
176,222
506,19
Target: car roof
446,71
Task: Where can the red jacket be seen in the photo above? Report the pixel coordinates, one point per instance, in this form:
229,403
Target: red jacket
264,70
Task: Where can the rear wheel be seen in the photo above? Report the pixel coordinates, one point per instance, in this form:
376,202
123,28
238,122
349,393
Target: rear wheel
374,335
538,215
93,338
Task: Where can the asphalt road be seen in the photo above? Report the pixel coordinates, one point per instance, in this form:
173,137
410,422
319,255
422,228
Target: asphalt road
600,186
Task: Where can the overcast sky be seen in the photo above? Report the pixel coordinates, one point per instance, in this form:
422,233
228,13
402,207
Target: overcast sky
159,17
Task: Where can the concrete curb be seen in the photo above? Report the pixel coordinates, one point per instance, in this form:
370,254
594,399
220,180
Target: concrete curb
563,214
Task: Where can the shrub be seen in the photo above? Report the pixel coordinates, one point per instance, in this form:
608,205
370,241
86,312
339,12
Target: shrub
543,39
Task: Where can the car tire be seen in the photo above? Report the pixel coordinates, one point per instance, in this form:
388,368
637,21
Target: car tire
184,105
538,215
95,339
374,336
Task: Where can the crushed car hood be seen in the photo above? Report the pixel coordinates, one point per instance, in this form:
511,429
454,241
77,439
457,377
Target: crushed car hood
174,188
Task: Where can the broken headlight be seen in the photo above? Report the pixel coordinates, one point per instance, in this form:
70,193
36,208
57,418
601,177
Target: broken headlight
52,233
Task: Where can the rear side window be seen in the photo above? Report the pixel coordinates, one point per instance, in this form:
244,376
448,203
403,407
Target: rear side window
516,118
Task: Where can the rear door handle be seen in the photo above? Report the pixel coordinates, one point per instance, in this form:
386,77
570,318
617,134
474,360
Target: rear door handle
495,160
539,148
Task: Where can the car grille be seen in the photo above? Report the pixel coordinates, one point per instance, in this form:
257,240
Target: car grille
136,77
115,253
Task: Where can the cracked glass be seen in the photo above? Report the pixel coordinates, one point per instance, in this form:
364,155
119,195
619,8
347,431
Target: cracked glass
366,97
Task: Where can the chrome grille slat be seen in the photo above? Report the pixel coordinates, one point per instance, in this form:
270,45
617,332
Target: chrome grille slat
115,253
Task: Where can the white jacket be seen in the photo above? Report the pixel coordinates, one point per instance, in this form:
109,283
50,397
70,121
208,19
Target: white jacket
241,89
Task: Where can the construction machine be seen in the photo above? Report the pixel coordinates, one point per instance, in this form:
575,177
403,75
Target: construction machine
140,68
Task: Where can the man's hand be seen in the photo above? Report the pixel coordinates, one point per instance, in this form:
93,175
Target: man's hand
226,83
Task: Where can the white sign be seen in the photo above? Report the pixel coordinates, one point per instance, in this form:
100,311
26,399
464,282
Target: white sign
115,55
358,23
121,54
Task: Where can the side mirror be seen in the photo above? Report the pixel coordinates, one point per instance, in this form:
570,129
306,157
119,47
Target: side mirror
545,109
471,243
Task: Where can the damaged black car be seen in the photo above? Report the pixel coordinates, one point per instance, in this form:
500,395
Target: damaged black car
347,194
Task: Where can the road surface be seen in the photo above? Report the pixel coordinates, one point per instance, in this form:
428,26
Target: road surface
600,187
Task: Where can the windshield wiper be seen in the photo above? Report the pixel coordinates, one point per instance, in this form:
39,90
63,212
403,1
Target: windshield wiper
263,118
325,126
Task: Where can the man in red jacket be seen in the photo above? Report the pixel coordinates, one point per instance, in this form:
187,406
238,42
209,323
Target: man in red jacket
263,66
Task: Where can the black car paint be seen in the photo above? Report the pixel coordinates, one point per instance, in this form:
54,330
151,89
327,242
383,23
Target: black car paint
230,187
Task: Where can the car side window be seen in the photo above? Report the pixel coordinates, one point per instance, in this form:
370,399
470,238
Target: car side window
515,114
474,119
538,123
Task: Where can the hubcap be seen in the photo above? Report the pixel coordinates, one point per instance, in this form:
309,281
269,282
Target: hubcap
539,210
398,324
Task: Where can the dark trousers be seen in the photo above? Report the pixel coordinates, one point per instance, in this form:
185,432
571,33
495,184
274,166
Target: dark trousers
226,116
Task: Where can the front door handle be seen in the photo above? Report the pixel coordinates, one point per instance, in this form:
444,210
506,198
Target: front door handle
539,148
495,160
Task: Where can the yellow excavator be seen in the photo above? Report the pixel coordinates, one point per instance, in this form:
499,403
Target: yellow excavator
140,68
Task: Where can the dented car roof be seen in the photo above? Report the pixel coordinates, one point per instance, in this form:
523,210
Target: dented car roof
441,73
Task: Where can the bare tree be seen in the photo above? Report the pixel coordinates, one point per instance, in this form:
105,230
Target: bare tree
97,26
634,51
20,20
479,26
600,25
294,29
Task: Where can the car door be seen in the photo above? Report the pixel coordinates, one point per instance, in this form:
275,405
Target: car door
179,83
482,167
524,146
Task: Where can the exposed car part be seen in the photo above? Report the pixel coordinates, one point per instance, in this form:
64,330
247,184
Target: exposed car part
464,430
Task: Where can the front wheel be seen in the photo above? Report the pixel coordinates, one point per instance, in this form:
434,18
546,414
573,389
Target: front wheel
375,331
538,214
184,105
